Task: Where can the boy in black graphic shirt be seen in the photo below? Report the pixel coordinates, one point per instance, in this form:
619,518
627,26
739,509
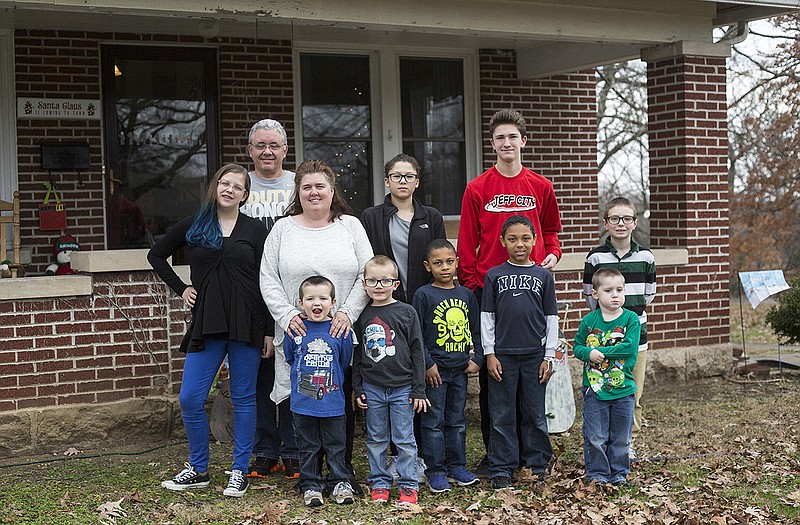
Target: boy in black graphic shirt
449,317
389,379
519,331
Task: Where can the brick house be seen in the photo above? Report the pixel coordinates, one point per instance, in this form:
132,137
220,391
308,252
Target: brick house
161,97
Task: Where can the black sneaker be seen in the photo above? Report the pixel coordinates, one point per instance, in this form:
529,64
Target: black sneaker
292,468
187,478
237,484
262,467
501,482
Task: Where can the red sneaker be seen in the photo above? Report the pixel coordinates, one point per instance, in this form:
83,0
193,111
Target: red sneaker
408,496
380,495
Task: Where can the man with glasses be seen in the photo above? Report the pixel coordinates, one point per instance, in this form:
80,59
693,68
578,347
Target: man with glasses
271,189
637,265
506,189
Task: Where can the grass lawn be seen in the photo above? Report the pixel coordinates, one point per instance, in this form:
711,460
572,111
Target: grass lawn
715,451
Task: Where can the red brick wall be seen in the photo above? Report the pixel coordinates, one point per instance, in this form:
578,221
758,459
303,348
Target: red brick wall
105,347
255,79
689,196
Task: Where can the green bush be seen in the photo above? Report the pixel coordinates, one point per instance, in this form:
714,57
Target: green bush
785,317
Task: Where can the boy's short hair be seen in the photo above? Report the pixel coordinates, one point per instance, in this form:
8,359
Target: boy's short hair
605,273
619,201
517,219
438,244
382,260
318,280
508,116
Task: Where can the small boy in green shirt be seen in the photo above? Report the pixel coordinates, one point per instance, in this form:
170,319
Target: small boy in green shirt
608,343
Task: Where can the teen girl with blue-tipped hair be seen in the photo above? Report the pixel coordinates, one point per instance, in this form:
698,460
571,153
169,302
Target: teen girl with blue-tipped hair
229,318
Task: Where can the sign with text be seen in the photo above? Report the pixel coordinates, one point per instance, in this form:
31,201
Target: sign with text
58,108
760,285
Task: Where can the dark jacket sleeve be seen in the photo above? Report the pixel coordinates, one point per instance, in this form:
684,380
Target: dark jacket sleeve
475,326
166,247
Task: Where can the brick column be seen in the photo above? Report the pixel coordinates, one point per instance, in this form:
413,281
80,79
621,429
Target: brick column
687,126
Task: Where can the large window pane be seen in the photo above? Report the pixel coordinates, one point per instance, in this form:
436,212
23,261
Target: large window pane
432,98
159,130
335,98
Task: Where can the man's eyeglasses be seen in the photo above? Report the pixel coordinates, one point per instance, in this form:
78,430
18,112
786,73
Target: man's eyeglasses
404,177
225,185
626,219
261,146
385,283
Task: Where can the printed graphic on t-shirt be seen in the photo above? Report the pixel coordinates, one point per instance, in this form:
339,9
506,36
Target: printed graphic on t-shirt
517,283
378,340
510,203
452,324
608,374
267,205
318,379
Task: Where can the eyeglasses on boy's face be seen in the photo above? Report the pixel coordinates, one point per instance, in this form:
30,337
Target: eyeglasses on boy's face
261,146
385,283
626,219
404,177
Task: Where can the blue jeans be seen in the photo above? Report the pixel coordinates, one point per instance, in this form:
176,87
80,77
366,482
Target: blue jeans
274,436
607,437
385,405
444,425
520,374
318,437
199,371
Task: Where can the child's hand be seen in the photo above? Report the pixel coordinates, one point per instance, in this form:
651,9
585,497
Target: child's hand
420,405
494,368
362,402
472,368
596,356
545,371
432,376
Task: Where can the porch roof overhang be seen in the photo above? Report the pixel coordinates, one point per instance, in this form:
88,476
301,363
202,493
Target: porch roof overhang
549,37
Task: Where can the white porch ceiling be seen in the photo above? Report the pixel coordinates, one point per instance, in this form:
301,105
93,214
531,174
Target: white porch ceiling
549,37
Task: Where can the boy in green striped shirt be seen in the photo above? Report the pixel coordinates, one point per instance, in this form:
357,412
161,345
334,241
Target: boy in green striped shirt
638,267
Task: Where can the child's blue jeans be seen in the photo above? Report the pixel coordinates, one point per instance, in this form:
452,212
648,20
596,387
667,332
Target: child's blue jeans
318,438
521,385
444,425
385,405
199,371
607,437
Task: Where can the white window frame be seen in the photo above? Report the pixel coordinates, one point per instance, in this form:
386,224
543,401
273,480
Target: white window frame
9,178
385,111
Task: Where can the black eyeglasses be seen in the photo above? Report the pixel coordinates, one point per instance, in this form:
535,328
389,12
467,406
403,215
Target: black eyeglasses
405,177
626,219
385,283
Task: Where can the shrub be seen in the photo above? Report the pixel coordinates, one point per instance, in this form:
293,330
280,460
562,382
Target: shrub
785,317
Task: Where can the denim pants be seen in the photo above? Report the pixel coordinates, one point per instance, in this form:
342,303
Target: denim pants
199,371
520,377
607,437
317,437
274,436
385,405
444,425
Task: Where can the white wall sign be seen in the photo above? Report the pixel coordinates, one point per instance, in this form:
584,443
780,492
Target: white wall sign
58,108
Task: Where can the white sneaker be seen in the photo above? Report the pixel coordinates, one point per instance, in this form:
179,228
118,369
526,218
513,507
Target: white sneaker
632,456
343,493
237,484
312,498
421,468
